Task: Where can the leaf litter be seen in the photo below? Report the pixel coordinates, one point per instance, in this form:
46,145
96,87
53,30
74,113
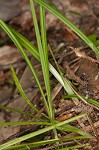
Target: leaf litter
81,67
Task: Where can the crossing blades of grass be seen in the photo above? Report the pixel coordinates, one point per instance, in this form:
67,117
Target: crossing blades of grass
41,131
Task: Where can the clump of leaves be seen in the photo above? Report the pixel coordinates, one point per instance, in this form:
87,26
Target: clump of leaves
41,54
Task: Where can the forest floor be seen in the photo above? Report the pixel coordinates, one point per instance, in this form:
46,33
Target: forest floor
77,61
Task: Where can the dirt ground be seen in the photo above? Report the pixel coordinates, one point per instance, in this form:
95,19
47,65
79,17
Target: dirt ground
76,60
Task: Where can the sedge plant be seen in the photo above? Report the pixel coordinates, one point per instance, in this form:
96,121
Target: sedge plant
41,54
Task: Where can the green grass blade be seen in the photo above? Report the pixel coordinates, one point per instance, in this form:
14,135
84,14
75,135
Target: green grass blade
69,24
46,61
41,131
24,123
19,111
25,43
70,128
92,101
46,65
22,91
35,144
